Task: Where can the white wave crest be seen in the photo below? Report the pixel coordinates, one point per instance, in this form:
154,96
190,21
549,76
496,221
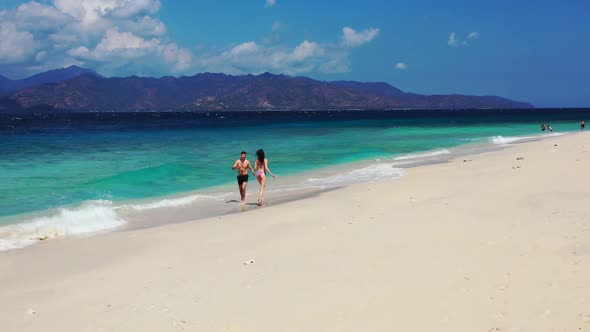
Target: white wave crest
90,217
171,202
423,155
501,140
370,173
555,134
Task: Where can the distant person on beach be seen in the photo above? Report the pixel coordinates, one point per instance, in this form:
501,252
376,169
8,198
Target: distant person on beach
583,125
543,127
243,165
261,166
549,128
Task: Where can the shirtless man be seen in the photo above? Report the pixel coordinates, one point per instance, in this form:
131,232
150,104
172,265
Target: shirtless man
243,165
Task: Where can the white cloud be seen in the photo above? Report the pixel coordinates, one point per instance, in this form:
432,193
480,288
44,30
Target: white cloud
145,26
92,11
179,57
401,66
305,50
115,40
251,57
15,45
124,37
40,56
276,26
352,38
473,35
336,64
453,40
243,49
270,3
102,34
115,44
276,34
36,16
124,48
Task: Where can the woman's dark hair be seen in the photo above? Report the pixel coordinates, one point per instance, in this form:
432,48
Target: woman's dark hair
260,154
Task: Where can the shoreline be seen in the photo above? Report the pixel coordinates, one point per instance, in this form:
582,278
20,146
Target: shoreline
207,202
460,246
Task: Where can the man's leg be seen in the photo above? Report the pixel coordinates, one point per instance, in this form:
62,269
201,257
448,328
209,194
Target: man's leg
241,191
244,186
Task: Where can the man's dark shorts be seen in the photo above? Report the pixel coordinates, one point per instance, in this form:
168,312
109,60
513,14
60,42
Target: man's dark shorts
242,179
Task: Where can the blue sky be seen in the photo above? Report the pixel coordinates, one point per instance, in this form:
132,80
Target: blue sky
535,51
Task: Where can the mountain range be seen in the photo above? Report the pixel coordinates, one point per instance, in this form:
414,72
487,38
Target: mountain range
52,76
80,89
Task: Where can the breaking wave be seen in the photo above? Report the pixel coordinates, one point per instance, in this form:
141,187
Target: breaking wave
91,217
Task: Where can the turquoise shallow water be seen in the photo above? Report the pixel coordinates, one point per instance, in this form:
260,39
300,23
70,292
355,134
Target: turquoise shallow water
47,161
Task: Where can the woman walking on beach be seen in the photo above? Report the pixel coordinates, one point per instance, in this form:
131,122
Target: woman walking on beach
261,166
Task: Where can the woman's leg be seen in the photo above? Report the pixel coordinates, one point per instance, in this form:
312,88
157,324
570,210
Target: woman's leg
262,180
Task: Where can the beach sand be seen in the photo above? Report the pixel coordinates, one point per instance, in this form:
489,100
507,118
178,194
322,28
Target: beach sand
488,242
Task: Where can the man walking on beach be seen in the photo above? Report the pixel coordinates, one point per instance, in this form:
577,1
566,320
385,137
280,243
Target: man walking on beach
243,165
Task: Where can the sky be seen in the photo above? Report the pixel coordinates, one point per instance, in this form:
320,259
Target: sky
533,51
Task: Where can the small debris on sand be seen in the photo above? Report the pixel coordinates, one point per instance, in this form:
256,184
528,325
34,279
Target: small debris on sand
248,262
519,158
31,312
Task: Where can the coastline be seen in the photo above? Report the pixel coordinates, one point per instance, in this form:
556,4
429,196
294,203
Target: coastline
99,216
485,242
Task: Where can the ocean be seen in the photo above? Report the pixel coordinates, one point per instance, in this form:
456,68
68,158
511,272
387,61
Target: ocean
79,173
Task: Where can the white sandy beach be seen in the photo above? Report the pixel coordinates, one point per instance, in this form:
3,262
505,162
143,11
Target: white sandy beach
489,242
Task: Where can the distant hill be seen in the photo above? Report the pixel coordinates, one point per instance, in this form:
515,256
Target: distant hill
52,76
225,92
4,82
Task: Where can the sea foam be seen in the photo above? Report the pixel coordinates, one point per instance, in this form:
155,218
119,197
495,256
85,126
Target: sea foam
172,202
90,217
503,140
376,172
423,155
